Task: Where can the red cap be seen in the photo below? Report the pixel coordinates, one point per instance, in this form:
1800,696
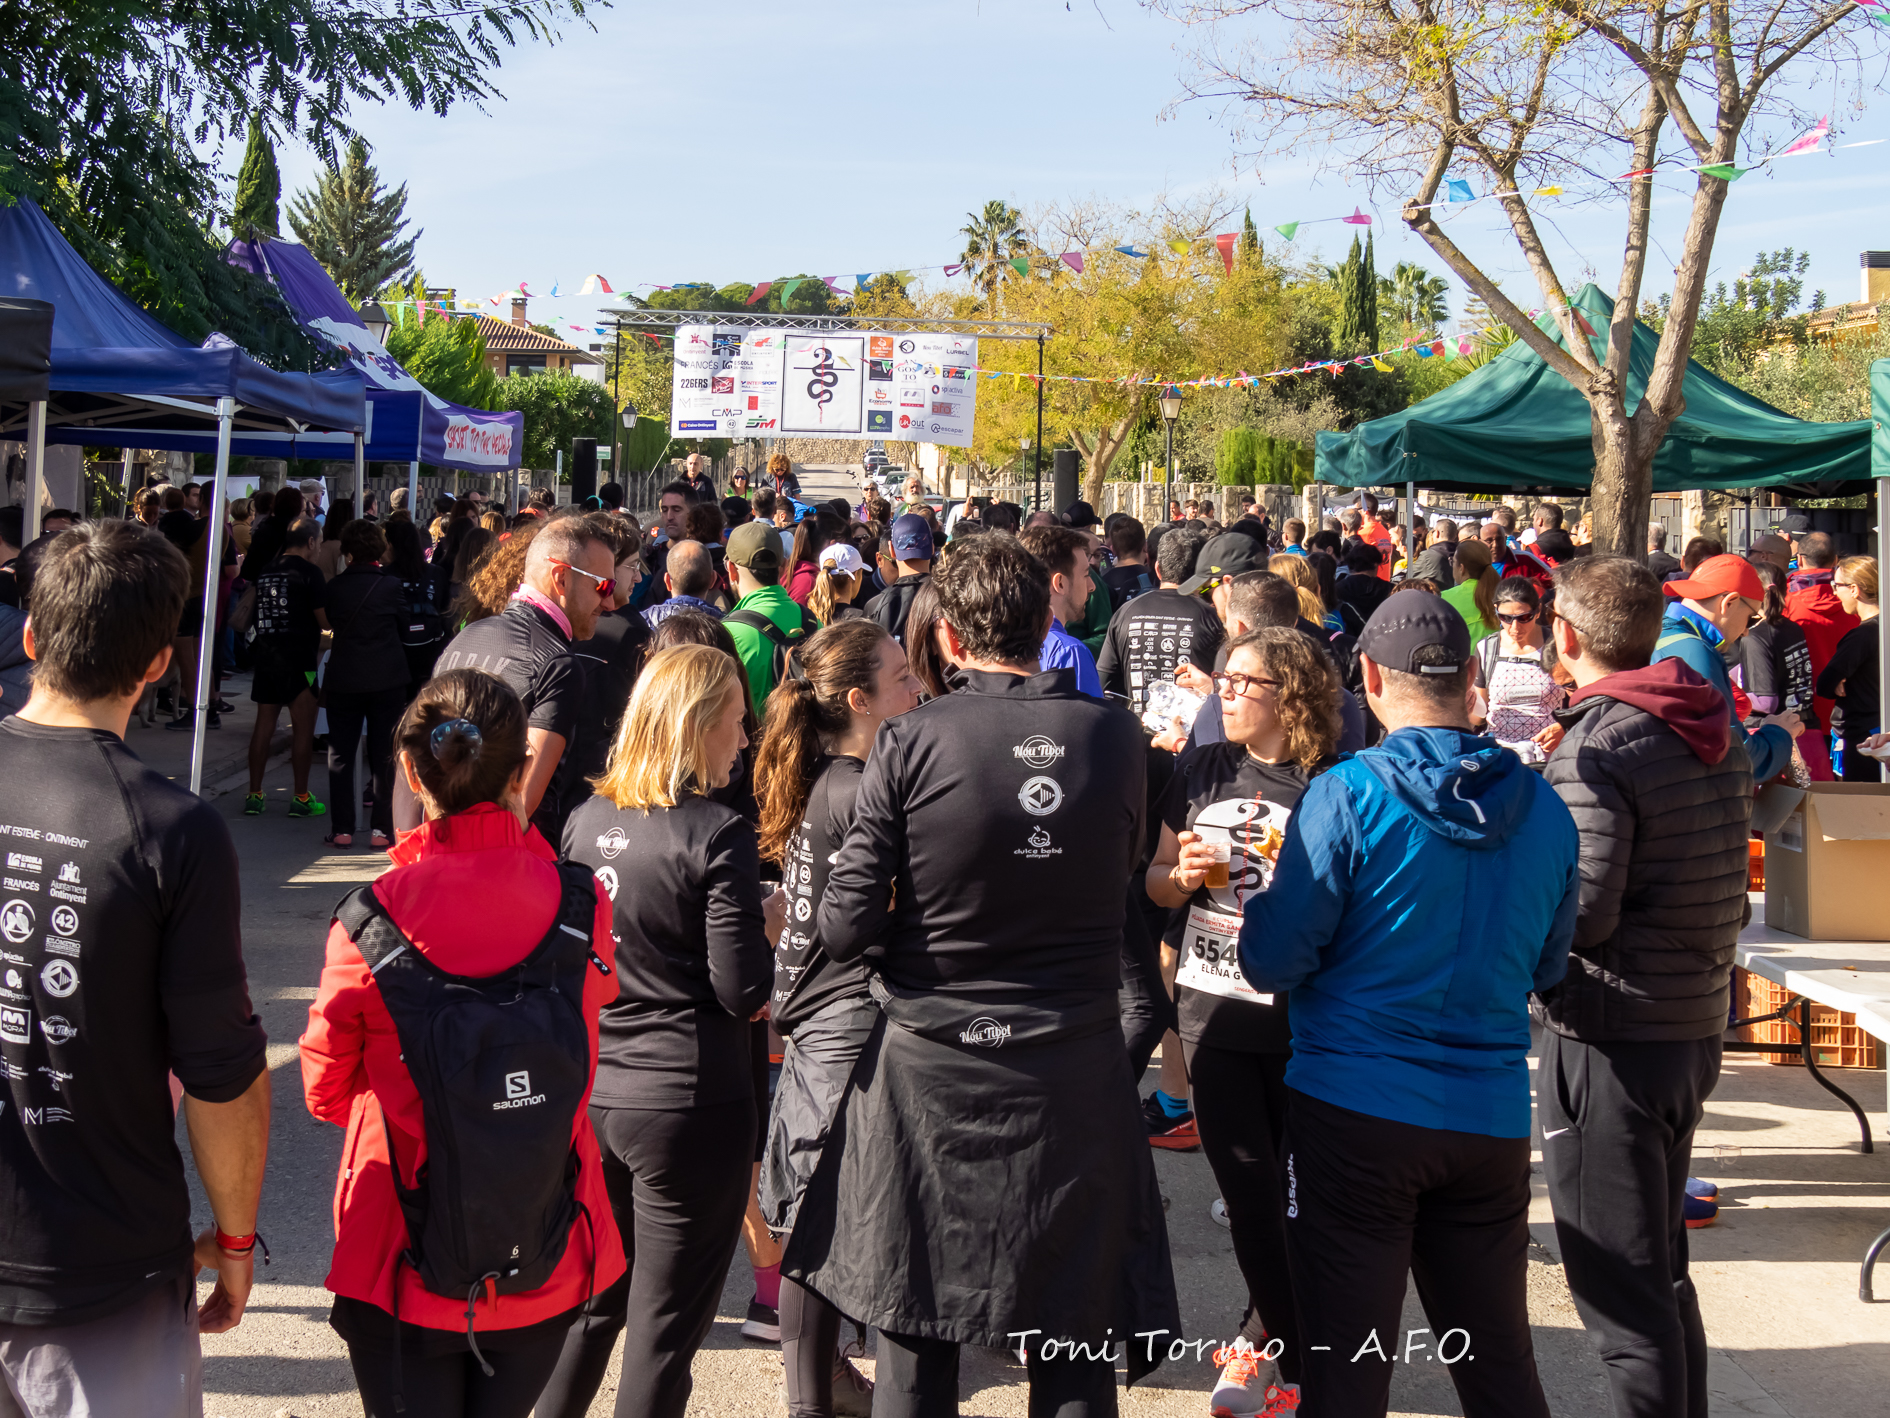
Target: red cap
1719,576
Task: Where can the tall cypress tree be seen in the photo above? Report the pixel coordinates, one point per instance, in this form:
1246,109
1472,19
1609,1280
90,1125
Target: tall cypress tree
354,228
1367,296
1351,316
258,189
1249,239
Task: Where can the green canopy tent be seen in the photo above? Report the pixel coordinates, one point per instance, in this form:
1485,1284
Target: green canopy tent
1516,426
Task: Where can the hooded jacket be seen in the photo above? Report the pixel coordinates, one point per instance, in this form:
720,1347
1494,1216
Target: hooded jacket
1663,798
1693,641
1425,886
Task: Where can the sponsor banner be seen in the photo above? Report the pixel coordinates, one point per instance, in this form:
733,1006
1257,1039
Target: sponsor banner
741,383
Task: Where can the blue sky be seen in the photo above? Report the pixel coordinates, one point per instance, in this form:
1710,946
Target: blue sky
741,141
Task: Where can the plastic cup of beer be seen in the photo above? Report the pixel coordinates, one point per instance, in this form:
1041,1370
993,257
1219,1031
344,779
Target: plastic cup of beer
1217,870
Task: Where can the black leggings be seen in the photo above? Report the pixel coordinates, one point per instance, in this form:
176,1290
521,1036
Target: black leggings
810,1332
1240,1107
451,1384
918,1378
679,1181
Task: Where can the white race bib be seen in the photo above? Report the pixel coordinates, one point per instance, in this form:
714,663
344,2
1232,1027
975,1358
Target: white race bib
1209,957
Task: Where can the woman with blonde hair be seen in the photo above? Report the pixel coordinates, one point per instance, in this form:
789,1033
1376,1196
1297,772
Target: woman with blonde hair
1474,595
1305,581
843,683
1850,675
674,1102
1223,822
842,572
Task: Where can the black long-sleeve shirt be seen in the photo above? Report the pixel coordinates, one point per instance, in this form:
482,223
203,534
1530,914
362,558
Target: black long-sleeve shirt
1150,637
121,959
693,961
1009,815
1853,664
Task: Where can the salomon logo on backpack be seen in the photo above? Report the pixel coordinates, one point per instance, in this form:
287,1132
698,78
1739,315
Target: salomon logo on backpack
501,1065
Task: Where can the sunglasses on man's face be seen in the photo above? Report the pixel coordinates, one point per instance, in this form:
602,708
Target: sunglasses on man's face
605,584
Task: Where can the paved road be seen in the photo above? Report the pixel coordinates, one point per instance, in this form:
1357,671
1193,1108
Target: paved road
1774,1282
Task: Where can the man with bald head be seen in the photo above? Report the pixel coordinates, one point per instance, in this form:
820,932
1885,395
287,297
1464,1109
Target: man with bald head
1771,549
570,573
689,575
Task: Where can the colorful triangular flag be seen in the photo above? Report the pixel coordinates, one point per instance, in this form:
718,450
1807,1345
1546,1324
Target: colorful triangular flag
1178,246
1074,260
1131,251
760,292
1808,143
1725,171
593,284
1358,218
1019,264
788,290
861,281
1460,190
1546,192
828,281
1224,243
554,295
1287,229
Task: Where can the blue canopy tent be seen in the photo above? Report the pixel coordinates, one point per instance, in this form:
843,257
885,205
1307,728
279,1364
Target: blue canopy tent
120,378
406,423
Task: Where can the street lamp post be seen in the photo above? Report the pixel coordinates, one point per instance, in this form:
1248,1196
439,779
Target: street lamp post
629,422
1171,410
1036,481
376,320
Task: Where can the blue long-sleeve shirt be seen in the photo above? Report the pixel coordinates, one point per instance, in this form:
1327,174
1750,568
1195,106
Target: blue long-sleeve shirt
1423,889
1063,651
1694,641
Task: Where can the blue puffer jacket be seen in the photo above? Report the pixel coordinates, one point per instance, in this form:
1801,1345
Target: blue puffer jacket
1424,888
1695,642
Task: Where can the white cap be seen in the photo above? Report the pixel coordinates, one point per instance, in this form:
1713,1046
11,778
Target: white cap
842,559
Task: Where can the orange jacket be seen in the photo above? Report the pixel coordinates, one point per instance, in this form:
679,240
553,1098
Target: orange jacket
475,894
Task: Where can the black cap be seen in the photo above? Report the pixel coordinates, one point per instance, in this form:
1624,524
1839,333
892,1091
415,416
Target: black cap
1796,525
1408,621
1227,555
1079,514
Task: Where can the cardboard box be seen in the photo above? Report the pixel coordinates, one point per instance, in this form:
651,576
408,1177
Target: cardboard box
1827,863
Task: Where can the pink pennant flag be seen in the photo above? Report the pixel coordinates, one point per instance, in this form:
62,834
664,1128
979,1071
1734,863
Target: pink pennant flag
1074,260
1224,243
955,269
761,292
828,281
1358,218
522,290
420,309
1809,143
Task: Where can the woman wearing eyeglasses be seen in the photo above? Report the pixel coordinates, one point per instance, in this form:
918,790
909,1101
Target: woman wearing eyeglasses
1223,822
1515,679
1850,675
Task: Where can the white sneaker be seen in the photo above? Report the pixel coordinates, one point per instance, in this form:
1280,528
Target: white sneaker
1244,1388
1217,1213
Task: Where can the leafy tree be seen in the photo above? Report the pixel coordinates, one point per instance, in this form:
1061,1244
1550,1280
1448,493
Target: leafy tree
258,188
113,117
993,238
1828,381
1367,297
1351,332
1413,297
1530,92
1239,457
447,356
1760,310
1249,238
354,228
558,406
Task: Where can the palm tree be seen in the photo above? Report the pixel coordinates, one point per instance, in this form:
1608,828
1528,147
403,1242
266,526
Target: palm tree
1414,296
992,239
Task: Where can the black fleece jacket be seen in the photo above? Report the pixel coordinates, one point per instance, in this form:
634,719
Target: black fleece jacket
1663,800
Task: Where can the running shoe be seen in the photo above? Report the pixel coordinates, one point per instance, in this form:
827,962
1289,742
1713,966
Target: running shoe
185,721
1217,1213
852,1390
1243,1389
1175,1134
340,839
380,841
1281,1399
307,806
1702,1191
253,805
1699,1211
223,706
763,1323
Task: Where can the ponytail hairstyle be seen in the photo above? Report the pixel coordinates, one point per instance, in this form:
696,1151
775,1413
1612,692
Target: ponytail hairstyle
1473,560
826,595
1296,569
806,711
464,733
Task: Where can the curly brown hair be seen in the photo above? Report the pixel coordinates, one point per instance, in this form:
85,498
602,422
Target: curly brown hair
496,577
1308,698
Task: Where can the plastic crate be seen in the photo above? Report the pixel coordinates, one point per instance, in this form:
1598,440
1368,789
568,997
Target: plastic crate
1836,1041
1755,873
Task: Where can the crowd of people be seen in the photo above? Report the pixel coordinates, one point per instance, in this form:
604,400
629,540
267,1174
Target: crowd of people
823,878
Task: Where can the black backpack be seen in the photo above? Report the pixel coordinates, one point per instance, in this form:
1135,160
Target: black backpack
501,1066
783,641
422,629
